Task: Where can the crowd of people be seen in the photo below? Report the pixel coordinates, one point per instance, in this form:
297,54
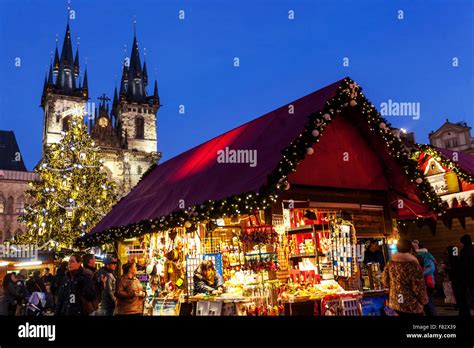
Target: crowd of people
79,289
410,278
76,289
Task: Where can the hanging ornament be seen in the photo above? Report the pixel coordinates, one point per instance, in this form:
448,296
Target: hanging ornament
187,224
419,180
315,133
69,212
309,150
327,117
353,103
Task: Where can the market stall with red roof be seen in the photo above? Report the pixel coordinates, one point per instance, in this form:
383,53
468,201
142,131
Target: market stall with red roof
290,196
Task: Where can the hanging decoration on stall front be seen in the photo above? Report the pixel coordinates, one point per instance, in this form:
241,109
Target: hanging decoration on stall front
343,248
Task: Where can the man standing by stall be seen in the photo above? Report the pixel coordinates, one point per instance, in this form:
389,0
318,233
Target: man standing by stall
107,280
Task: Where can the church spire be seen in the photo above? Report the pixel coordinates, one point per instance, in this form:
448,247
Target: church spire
155,92
145,74
56,58
50,76
135,65
115,101
133,85
76,61
66,81
85,84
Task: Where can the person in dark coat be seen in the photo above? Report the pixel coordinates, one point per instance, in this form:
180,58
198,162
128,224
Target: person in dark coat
207,280
23,290
89,264
77,292
449,269
466,275
58,279
11,296
35,283
107,286
373,254
47,277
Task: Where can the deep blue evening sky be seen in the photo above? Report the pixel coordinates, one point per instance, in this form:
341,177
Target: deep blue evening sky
407,60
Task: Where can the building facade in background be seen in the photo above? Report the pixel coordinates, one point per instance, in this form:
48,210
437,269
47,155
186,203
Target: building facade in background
453,136
14,180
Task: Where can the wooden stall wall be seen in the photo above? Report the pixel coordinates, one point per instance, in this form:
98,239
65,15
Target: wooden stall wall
443,237
370,223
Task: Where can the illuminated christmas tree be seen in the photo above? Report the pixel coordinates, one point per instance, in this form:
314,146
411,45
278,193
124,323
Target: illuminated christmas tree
72,194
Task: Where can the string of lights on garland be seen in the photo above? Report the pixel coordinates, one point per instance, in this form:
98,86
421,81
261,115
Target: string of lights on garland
73,191
348,95
451,164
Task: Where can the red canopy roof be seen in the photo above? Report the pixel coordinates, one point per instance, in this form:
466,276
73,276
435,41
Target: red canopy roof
196,176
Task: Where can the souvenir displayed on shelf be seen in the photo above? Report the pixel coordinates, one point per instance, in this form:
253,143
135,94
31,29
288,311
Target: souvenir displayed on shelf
264,234
343,248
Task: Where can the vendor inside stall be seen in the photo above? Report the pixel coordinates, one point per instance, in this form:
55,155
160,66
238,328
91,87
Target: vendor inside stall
373,254
207,280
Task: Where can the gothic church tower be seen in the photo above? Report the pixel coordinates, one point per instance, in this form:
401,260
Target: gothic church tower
62,91
125,132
